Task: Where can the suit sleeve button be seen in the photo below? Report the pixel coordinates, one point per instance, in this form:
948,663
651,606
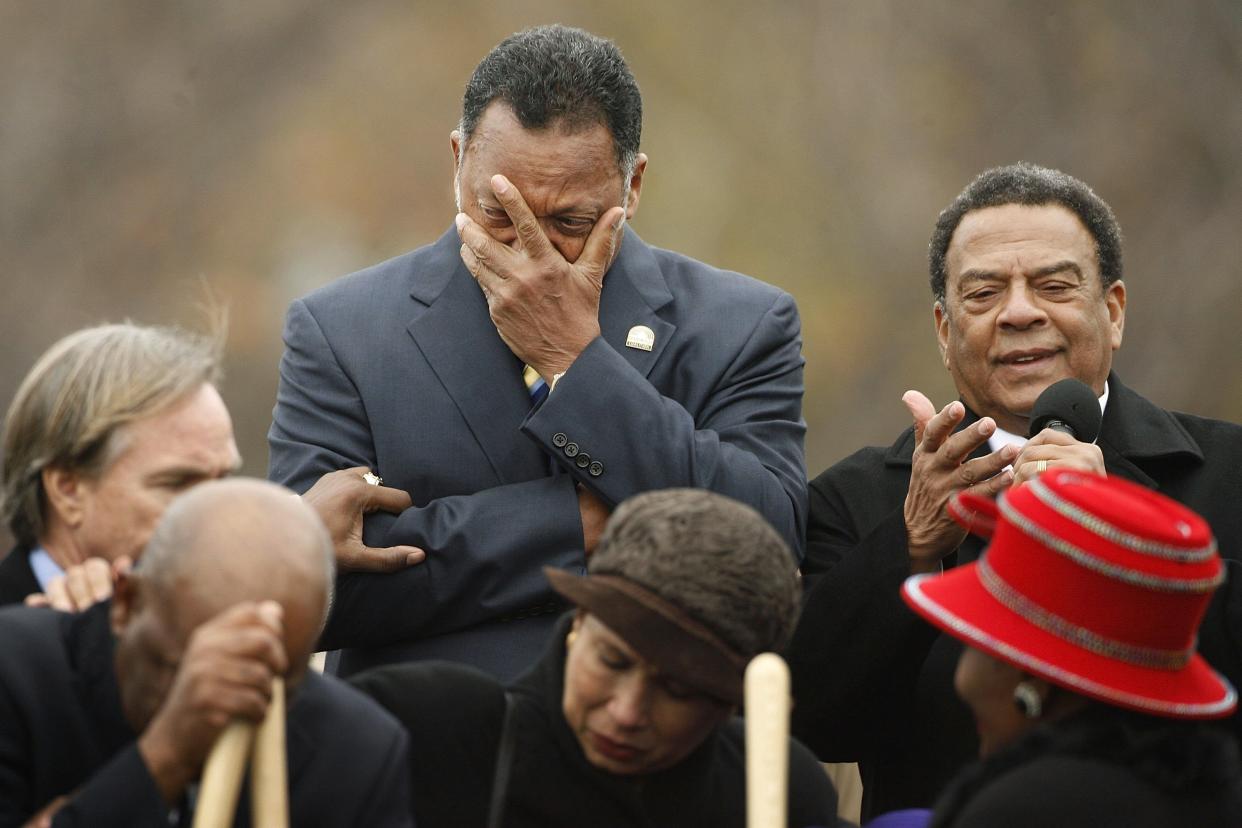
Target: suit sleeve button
582,460
596,468
571,449
559,439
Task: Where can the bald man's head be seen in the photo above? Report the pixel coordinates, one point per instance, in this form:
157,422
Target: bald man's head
220,544
242,540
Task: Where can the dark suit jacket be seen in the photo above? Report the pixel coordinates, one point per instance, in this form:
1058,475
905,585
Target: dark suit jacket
874,684
17,579
399,367
62,732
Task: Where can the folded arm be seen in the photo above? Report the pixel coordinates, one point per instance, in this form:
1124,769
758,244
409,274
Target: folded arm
484,551
745,440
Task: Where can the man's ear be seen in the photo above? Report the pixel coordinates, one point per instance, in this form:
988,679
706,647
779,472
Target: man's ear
65,492
1115,300
126,598
635,186
455,141
941,318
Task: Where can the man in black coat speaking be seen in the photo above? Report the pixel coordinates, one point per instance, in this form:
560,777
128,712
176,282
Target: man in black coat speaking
1026,276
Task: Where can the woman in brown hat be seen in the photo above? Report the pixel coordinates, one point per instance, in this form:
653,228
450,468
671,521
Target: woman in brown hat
629,717
1080,666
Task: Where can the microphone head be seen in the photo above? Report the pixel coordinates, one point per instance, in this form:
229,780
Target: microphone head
1069,402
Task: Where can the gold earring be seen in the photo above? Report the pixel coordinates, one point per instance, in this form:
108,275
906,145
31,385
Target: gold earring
569,639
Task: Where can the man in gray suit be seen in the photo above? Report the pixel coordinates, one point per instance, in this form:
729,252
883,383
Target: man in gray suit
531,369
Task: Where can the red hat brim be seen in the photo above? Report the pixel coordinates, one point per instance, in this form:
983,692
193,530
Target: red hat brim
958,603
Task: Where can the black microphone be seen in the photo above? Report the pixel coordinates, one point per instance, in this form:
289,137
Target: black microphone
1069,406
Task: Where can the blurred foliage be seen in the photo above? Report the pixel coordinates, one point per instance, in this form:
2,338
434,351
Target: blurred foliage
155,151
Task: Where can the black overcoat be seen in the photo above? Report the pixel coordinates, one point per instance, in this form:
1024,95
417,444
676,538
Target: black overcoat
873,683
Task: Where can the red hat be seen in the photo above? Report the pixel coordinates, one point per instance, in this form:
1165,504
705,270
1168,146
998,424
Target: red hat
1092,583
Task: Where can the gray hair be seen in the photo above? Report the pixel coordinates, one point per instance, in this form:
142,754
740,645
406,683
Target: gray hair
71,410
715,558
1035,186
555,74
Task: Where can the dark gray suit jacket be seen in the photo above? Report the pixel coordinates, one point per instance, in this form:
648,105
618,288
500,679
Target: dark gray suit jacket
873,683
399,367
62,731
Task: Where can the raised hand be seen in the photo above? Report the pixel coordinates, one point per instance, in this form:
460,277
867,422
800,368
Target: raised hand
939,470
82,585
224,674
545,308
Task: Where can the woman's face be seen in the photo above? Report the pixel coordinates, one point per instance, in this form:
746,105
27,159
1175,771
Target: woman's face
986,685
630,719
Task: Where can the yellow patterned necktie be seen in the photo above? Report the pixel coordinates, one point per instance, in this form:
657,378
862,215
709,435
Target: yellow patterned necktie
535,385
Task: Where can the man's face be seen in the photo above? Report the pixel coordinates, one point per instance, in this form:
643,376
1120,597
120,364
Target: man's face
154,623
568,179
629,719
160,457
1024,308
151,637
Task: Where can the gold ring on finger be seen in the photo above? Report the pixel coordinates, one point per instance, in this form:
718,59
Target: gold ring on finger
1041,466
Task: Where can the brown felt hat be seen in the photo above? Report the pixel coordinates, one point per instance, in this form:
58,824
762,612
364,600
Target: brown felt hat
695,582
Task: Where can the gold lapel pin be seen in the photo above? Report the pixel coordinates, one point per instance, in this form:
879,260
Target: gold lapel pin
640,337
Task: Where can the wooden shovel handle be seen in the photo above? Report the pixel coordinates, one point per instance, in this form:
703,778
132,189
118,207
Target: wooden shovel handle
269,790
766,689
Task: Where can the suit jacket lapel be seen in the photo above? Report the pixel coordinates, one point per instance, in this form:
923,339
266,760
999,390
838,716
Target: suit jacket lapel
1136,430
91,649
634,289
455,333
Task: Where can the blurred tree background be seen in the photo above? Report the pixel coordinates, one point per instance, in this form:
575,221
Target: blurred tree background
155,151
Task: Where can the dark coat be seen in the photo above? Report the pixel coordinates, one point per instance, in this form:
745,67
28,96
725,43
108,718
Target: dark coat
1102,767
17,579
454,716
399,367
873,683
62,731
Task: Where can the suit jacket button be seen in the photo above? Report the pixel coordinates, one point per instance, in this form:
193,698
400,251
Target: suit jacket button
582,460
571,450
596,469
559,439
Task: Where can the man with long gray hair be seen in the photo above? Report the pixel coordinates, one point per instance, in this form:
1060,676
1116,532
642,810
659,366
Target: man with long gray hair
535,366
111,424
